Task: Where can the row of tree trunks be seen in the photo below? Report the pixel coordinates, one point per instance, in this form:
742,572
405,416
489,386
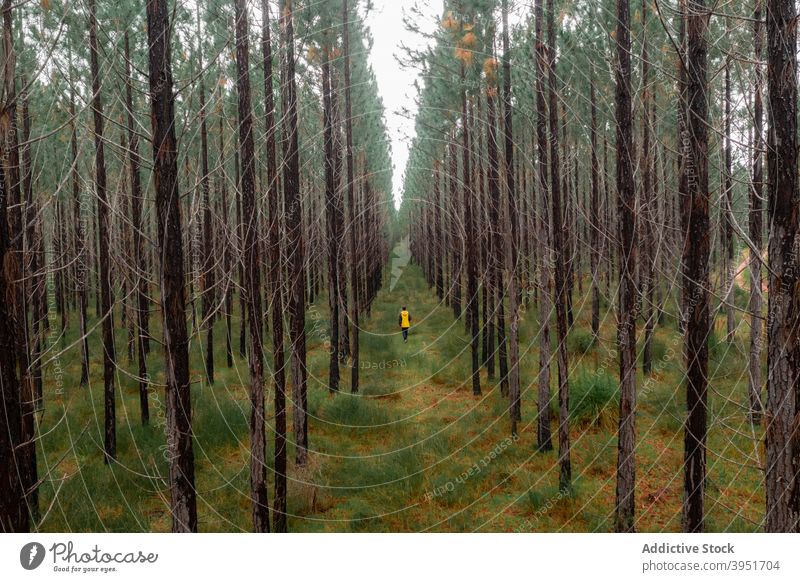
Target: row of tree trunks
582,215
106,221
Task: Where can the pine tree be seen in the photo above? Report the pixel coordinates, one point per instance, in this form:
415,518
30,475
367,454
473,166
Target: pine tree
13,509
103,235
561,291
279,518
783,391
695,270
626,331
755,225
258,475
165,168
543,433
142,306
207,270
332,225
351,202
512,228
294,235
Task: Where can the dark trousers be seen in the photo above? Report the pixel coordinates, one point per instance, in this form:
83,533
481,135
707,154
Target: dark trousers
405,334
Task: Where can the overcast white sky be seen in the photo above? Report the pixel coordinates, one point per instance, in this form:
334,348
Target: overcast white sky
396,84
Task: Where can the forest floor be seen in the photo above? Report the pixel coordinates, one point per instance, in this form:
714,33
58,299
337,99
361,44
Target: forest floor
414,450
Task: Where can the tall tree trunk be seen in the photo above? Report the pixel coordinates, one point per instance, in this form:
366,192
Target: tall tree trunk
14,515
279,519
348,121
485,188
782,445
594,256
165,169
515,406
469,221
496,242
331,225
128,308
565,468
80,231
728,249
498,288
568,224
241,251
696,280
457,264
543,435
103,223
646,229
15,274
294,238
755,224
438,245
341,257
258,470
684,200
33,259
60,249
208,288
626,331
364,237
227,267
134,163
609,222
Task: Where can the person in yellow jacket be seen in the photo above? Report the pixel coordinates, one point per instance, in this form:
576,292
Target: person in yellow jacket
405,322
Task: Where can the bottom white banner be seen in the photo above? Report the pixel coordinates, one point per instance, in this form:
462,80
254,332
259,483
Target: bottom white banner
415,557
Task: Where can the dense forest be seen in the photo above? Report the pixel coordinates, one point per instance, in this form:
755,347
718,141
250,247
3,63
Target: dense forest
204,254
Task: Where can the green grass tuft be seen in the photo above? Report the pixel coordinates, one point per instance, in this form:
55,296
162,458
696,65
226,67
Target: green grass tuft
580,341
349,410
593,400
